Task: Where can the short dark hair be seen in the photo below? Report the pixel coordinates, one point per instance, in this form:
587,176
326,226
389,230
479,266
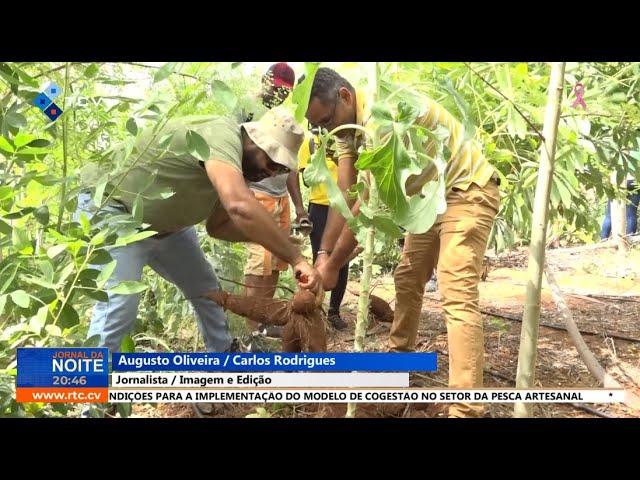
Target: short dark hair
327,83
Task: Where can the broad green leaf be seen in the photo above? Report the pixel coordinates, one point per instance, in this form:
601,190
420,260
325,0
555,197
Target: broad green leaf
13,270
223,94
128,345
164,71
105,274
65,273
236,64
98,197
68,317
20,298
84,222
39,143
165,141
100,257
382,114
6,192
136,237
98,295
19,214
128,287
132,127
56,250
16,119
22,139
565,194
5,145
198,146
99,238
46,268
39,281
5,228
318,173
302,91
21,241
91,70
41,214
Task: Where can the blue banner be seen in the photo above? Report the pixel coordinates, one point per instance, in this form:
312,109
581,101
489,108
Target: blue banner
275,362
63,367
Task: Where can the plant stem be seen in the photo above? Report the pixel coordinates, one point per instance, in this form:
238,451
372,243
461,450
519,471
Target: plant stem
63,191
362,321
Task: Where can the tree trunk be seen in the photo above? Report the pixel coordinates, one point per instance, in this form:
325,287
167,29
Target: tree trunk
525,377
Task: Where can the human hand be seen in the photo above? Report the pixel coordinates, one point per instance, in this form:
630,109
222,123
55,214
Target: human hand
307,277
328,274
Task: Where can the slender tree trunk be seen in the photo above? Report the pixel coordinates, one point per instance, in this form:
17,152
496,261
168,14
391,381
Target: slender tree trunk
362,320
525,377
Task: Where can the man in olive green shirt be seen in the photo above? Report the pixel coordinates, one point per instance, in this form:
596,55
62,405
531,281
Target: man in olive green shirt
214,189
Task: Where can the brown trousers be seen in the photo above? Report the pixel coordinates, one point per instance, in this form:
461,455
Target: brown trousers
456,243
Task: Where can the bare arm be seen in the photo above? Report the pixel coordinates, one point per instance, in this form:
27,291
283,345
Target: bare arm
293,185
220,226
345,244
248,216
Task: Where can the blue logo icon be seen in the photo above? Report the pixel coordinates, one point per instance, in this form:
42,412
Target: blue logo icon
45,101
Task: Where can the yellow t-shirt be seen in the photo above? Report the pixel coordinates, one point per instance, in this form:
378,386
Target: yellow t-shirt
318,193
466,165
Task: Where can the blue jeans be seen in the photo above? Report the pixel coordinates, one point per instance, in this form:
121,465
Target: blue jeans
176,257
633,200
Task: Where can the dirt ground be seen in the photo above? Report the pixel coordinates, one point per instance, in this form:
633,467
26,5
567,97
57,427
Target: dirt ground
601,289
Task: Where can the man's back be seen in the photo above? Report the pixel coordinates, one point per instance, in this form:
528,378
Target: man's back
173,168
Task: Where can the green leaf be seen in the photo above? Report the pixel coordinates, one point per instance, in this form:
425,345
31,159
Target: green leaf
91,70
6,192
39,143
39,281
20,298
164,71
3,301
132,127
7,283
128,345
100,257
128,287
16,119
100,237
98,295
302,92
19,214
41,214
382,113
317,173
138,208
68,317
136,237
56,250
223,94
105,274
5,145
198,146
5,228
236,64
21,241
47,269
98,197
84,222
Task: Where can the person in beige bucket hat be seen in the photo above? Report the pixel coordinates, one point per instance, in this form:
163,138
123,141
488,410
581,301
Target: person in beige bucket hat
205,184
279,135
